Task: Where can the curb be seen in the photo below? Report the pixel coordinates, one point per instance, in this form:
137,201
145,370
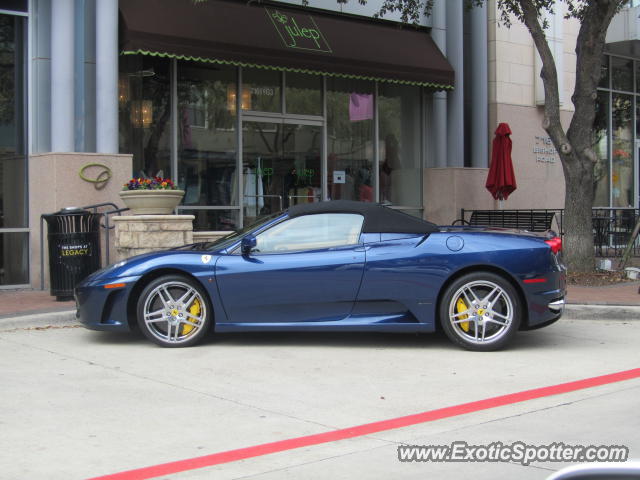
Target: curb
34,320
601,312
571,312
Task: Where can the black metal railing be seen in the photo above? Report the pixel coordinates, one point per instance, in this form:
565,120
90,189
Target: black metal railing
612,227
612,230
106,226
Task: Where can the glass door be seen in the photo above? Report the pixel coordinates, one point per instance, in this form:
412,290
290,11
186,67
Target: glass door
281,166
637,170
14,225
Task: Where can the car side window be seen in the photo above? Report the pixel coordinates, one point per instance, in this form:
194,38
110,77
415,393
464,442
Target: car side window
311,232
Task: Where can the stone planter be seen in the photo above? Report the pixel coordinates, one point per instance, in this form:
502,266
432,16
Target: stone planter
151,202
136,234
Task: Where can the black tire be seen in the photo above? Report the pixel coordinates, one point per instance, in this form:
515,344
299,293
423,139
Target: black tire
174,311
488,316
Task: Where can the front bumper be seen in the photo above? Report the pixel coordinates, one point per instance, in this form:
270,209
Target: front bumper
100,308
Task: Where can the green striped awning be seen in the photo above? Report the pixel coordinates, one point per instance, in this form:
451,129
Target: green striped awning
265,36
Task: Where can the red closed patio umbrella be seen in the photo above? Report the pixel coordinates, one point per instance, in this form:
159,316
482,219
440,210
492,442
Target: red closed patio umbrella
501,181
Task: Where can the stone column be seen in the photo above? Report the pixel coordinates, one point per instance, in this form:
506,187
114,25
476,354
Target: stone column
62,81
107,76
455,113
439,116
479,88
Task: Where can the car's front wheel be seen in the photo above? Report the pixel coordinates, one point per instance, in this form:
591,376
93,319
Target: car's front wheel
174,311
480,311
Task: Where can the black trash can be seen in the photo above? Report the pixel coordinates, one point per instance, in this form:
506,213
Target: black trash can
74,248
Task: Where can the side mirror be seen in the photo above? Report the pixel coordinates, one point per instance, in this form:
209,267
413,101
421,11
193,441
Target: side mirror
247,244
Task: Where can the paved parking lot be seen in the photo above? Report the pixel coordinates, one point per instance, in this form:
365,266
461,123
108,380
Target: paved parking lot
81,404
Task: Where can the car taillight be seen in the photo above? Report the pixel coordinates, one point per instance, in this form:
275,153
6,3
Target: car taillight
555,243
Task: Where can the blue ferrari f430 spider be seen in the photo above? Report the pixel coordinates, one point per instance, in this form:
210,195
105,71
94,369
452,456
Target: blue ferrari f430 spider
333,266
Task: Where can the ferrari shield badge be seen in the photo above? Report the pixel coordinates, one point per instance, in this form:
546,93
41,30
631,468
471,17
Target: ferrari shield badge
205,258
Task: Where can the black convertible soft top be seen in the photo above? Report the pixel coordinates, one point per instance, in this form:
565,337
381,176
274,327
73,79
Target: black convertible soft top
377,218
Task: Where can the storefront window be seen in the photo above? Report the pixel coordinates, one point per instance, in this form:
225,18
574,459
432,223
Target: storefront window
14,246
281,167
303,94
284,129
206,141
400,133
15,258
350,155
213,220
615,173
604,73
601,149
261,90
621,74
622,182
145,114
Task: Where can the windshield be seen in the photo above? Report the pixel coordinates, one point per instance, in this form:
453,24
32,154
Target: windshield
233,237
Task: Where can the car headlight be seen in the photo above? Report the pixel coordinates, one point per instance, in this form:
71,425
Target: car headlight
121,263
114,266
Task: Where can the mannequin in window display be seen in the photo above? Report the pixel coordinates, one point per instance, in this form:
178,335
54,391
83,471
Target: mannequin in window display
391,161
366,192
301,187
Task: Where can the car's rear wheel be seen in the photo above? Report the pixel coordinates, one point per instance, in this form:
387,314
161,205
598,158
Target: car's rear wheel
480,311
174,311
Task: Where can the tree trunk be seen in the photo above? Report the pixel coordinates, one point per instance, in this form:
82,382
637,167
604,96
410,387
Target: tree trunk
577,223
575,145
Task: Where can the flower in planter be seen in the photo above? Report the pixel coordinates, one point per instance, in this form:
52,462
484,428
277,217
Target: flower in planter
154,183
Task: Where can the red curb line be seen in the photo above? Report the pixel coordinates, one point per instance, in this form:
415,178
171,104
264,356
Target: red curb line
367,429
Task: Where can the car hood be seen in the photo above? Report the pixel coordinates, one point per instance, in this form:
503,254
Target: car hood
191,260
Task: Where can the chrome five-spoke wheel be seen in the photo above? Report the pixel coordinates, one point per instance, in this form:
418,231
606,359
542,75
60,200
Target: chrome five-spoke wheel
173,311
480,311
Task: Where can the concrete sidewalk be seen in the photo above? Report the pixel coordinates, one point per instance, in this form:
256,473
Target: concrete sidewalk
37,308
33,308
619,301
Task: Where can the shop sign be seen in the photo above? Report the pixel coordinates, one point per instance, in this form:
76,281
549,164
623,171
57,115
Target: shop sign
544,150
306,172
298,31
76,250
265,172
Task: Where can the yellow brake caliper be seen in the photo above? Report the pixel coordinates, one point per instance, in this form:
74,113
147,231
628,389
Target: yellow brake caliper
194,310
462,307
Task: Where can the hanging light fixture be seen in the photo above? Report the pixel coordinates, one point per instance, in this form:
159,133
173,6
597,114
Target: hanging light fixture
245,100
141,113
124,83
123,88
